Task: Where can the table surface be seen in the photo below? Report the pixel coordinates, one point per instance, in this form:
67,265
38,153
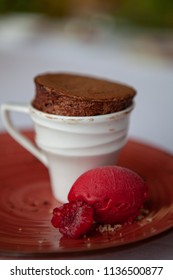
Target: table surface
138,62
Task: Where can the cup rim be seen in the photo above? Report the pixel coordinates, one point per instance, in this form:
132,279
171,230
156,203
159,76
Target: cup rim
96,118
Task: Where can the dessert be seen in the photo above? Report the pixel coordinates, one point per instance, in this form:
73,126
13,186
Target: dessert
75,95
116,193
73,219
108,195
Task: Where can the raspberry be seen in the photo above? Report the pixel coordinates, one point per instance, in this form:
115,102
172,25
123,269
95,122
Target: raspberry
74,219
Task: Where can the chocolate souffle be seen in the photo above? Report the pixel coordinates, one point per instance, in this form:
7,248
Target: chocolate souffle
75,95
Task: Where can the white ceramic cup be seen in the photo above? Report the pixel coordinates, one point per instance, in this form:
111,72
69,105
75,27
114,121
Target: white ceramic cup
69,146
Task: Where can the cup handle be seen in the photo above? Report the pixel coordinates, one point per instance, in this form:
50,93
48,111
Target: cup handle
17,135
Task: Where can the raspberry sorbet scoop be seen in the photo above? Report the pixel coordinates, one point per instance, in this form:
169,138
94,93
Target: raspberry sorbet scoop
115,193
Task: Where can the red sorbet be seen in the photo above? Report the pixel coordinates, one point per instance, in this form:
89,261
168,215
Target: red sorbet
115,193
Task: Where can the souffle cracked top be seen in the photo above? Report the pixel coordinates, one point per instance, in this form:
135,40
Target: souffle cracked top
74,95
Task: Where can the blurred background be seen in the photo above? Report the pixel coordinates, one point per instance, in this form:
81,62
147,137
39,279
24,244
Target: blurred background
127,41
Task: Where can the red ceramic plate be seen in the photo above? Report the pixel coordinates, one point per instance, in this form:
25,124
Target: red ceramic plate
26,202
